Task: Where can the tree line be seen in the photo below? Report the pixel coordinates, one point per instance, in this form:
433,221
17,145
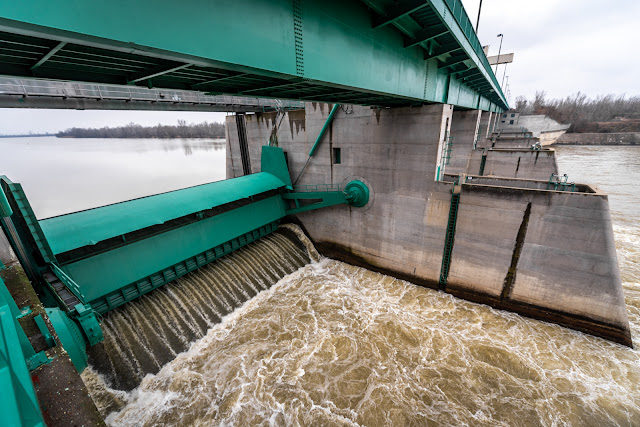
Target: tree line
604,114
132,130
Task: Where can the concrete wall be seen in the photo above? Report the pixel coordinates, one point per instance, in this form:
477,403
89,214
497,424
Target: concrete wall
495,181
550,137
486,121
6,253
561,254
536,123
527,164
512,142
395,152
402,229
464,130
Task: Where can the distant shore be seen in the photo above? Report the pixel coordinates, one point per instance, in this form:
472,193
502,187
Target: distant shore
36,135
620,138
132,130
137,137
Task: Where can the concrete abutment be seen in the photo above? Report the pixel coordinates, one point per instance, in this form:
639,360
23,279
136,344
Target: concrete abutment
518,246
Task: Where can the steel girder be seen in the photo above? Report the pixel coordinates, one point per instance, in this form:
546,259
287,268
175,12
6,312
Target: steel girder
277,48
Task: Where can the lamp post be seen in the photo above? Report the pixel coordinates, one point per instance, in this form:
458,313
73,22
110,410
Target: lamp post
504,75
507,91
499,50
478,22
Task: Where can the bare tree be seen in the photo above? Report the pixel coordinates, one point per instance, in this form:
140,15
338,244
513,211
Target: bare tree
608,113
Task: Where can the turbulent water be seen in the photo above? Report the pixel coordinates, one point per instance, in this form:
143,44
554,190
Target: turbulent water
333,344
151,331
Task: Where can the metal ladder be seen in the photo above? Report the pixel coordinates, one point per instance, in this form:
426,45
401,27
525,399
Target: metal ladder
449,237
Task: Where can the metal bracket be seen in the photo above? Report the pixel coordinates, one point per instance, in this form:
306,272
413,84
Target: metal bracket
37,360
356,193
44,331
89,324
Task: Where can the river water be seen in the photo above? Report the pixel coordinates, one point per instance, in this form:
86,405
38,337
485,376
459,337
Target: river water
333,344
62,175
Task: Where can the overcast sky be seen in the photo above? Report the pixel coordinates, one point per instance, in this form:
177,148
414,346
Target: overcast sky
566,46
561,47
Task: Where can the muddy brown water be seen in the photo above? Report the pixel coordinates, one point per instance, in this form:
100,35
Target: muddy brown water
320,342
333,344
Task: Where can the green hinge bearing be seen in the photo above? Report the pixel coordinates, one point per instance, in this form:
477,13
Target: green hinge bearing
357,193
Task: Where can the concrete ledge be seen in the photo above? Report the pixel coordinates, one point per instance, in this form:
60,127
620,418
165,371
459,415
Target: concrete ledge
546,249
533,184
521,163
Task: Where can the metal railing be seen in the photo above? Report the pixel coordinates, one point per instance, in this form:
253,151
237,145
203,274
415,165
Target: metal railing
458,11
61,89
316,188
559,183
69,283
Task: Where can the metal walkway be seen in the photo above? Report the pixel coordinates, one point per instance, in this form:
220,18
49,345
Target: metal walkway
34,93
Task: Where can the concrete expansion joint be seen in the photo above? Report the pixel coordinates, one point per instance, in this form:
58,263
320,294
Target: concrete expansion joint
510,278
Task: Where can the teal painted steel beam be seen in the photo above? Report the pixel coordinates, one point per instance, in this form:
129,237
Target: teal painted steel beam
109,271
294,48
326,125
5,208
19,405
425,36
467,39
29,223
463,74
454,62
356,193
398,10
149,74
218,80
320,200
441,52
145,284
48,55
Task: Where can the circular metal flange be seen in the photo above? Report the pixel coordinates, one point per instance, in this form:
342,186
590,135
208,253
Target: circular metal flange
357,193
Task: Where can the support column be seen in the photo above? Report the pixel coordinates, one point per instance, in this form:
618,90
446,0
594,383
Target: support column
464,130
485,124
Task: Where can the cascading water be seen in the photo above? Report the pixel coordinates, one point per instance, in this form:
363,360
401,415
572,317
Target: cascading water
333,344
144,335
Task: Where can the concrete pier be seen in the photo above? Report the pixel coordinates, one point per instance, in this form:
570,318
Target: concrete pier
464,131
486,121
516,245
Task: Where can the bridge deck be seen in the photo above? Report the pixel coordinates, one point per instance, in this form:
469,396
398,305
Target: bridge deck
363,52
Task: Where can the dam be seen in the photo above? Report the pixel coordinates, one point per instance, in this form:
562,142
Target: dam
209,304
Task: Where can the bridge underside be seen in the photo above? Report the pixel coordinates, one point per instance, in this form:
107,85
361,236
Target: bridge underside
49,94
380,53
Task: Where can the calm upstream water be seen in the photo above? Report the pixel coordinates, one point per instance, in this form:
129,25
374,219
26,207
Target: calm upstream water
62,175
333,344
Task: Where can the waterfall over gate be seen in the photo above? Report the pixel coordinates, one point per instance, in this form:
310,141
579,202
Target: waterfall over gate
149,332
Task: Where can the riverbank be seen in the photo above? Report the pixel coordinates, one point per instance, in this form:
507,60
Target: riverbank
621,138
